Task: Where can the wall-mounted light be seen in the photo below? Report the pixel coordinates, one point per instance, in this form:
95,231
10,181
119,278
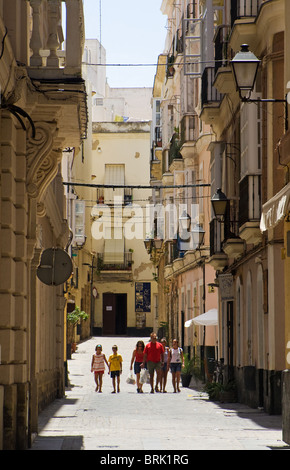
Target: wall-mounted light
198,235
148,245
185,221
245,67
219,203
158,243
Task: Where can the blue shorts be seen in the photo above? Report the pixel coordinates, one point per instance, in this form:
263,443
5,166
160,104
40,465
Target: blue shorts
137,367
175,367
115,373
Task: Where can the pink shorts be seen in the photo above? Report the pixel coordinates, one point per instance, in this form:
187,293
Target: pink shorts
99,372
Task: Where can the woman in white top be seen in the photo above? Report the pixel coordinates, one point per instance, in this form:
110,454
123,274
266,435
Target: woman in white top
175,361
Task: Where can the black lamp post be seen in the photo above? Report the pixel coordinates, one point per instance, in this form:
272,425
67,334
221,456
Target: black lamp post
245,67
219,203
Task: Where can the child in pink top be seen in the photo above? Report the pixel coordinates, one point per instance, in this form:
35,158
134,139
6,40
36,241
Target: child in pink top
98,367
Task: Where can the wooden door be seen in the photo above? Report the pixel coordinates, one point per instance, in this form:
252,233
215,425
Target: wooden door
109,314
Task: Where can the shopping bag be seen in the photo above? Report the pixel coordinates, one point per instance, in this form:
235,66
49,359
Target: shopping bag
130,379
144,376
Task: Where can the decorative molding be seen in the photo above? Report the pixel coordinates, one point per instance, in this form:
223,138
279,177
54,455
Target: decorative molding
42,161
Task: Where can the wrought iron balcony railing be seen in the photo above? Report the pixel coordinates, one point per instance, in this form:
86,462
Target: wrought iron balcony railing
209,94
250,199
244,9
221,42
110,262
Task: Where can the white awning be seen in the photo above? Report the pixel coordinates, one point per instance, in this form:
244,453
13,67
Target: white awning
209,318
275,209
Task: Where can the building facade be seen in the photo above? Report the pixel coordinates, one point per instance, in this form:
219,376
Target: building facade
113,279
180,166
241,147
43,110
245,156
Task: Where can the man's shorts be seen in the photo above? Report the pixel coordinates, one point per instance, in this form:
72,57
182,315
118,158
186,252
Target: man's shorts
152,366
115,373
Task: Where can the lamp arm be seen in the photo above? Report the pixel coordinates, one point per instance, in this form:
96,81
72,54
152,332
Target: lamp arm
270,100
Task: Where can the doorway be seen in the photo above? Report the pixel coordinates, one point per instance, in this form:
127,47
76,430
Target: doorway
114,314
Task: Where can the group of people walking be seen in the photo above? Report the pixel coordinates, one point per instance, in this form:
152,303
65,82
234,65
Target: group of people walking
154,357
157,356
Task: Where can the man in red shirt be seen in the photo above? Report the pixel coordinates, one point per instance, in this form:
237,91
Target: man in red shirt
154,356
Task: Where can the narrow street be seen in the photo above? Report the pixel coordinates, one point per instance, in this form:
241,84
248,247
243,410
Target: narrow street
86,420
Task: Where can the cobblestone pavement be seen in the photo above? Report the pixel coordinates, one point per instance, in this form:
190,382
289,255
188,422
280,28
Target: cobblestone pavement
87,420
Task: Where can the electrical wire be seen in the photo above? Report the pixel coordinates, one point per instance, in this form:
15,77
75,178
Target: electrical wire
127,186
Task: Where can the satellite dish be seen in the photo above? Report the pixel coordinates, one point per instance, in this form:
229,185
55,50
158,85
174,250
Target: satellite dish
55,267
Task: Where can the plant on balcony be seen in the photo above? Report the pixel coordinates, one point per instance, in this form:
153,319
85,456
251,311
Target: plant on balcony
170,68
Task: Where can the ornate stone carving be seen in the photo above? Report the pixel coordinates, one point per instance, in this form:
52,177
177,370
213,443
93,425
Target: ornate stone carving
42,160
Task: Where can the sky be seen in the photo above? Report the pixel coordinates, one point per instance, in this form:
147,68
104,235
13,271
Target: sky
132,32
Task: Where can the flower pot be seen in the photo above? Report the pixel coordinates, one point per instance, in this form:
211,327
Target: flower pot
185,380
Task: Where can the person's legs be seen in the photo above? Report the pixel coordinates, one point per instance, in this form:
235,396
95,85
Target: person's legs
158,381
174,381
164,380
114,383
150,366
100,382
96,381
177,380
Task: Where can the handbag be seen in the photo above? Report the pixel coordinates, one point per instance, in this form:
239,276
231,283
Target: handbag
131,379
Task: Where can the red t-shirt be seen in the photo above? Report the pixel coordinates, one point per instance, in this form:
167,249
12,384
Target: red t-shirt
154,351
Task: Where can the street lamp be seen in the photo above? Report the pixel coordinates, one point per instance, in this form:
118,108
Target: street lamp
219,203
185,221
245,67
148,245
198,234
158,243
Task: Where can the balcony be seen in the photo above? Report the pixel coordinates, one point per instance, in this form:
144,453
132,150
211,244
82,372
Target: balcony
174,150
210,97
57,94
243,21
223,82
232,245
188,134
218,259
241,9
47,37
250,209
109,267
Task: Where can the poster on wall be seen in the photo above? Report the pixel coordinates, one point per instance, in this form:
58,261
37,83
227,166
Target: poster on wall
226,284
142,297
